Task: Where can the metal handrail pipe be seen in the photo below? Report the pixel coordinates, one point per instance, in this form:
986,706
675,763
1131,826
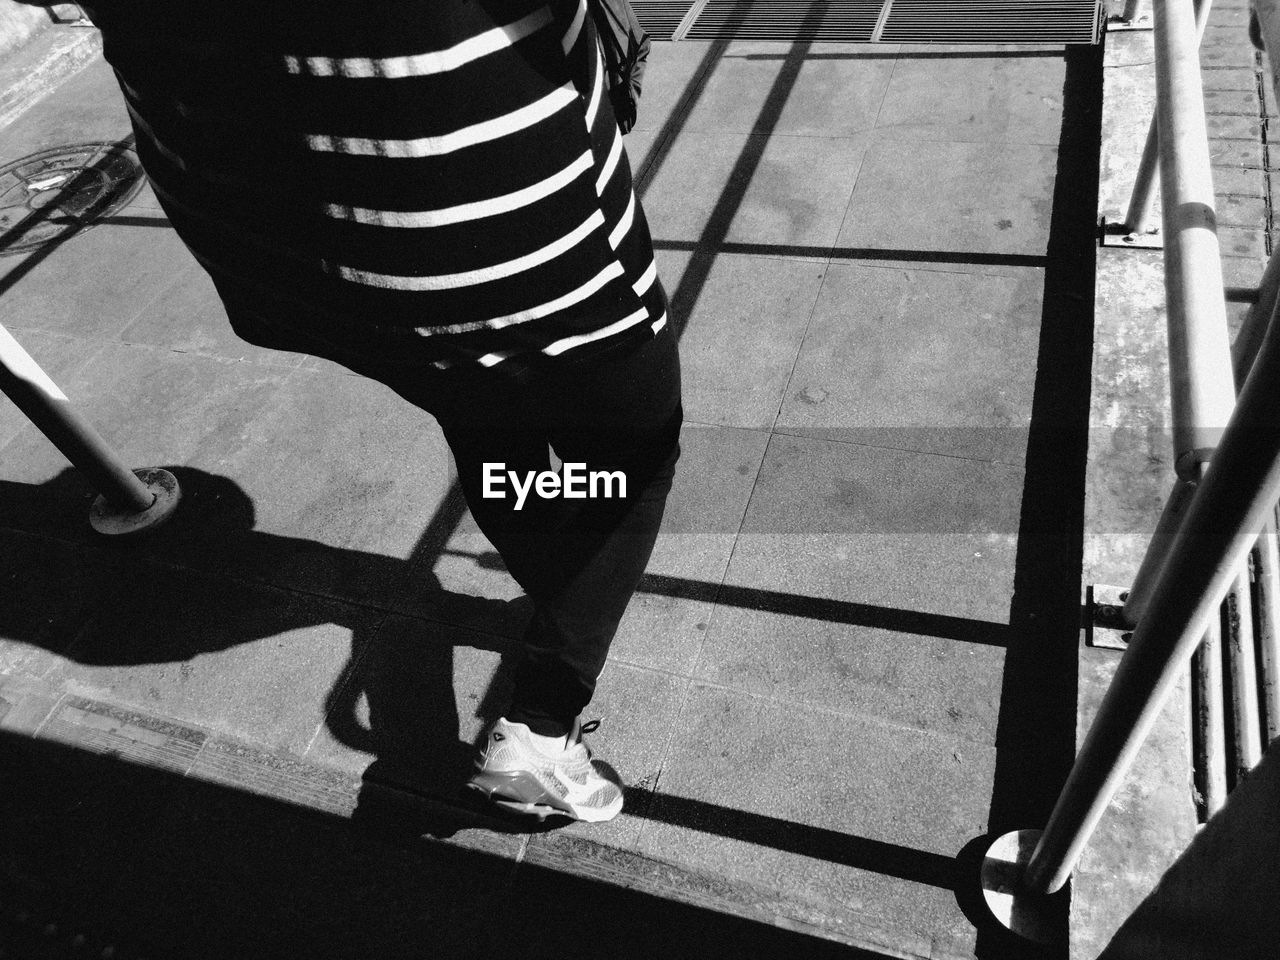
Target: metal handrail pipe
1242,676
1143,198
1202,387
1267,595
1256,320
1130,10
1210,730
37,396
1238,495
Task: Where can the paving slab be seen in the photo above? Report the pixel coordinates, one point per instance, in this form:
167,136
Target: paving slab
842,521
86,106
673,80
93,285
25,704
1127,108
188,317
801,89
667,618
752,189
945,684
841,818
744,320
919,360
352,474
975,95
987,206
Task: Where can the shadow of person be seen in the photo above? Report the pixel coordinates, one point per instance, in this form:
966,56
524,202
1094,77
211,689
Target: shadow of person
207,581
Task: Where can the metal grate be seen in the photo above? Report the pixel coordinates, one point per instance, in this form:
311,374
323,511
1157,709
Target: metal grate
661,17
993,21
863,21
851,21
55,194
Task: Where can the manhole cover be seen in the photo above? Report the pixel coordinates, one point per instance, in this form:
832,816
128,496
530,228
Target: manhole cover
54,194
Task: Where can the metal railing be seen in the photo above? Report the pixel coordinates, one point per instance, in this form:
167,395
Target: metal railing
129,501
1193,590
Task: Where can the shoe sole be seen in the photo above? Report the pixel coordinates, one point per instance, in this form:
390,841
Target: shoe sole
520,792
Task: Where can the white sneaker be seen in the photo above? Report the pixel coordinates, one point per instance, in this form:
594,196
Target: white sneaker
513,772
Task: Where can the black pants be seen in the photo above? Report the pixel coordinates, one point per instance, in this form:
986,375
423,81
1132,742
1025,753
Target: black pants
578,559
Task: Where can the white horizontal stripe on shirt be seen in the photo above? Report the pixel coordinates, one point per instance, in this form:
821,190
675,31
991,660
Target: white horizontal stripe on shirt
481,132
659,323
422,64
646,279
610,163
575,28
628,217
597,90
464,212
452,281
568,343
613,270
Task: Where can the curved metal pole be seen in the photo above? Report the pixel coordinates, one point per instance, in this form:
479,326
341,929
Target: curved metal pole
1238,490
1239,493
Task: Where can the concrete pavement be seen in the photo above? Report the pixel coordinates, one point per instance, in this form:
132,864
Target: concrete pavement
854,653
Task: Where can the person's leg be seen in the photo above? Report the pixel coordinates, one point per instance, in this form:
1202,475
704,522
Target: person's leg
621,417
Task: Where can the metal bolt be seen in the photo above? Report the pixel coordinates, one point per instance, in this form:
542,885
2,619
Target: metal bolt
1107,613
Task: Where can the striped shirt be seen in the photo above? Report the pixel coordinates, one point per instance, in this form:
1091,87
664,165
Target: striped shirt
431,183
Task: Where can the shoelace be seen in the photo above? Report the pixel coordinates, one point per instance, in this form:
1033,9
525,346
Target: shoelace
589,727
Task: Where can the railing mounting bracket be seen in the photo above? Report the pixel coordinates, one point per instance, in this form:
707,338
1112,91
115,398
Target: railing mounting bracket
1119,235
1104,621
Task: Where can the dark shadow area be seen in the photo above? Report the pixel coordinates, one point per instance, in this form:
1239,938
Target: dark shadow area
831,611
875,856
159,220
101,602
859,253
207,581
160,866
1035,734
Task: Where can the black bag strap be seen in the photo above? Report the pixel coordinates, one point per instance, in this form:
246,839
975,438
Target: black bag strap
625,46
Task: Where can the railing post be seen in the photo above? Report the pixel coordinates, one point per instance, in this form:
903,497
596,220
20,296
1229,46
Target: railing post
1143,197
131,501
1237,498
1236,494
